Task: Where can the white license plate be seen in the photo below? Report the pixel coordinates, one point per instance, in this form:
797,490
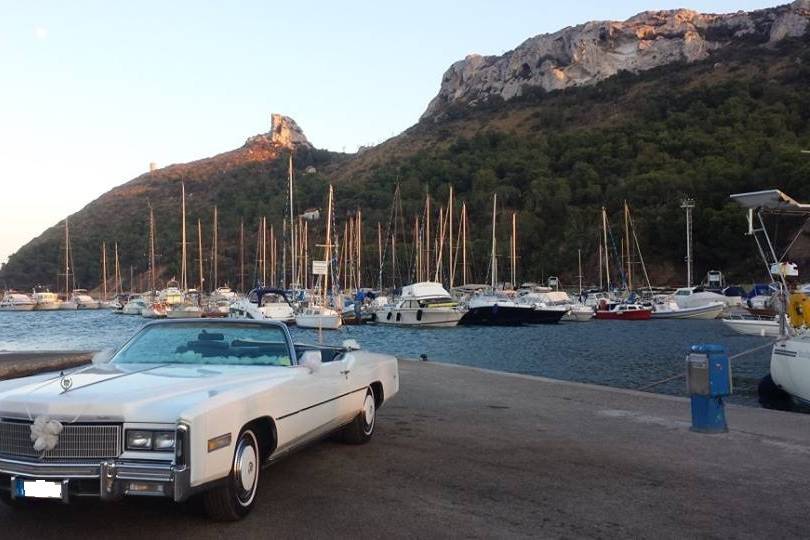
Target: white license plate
38,489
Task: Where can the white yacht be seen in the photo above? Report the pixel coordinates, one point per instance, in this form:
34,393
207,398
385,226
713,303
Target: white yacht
46,301
135,305
189,309
668,308
319,317
83,300
421,304
692,297
172,295
264,303
15,301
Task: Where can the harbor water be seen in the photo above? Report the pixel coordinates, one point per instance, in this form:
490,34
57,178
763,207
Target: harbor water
622,354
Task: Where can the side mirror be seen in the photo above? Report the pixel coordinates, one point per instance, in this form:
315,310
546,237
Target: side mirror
311,360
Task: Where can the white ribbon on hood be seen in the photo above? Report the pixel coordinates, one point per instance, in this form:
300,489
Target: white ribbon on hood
45,433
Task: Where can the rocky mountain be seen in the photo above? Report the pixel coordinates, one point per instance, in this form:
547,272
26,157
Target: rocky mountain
664,105
592,52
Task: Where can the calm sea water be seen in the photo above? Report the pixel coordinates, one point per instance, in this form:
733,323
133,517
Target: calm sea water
624,354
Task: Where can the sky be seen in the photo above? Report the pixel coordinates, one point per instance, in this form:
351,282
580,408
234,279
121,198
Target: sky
91,92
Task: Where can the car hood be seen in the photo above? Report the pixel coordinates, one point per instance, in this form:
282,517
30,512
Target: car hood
127,392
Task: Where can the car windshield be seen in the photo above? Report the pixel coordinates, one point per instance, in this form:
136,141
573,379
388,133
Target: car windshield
207,343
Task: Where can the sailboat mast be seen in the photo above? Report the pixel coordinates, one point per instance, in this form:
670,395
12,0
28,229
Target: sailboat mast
514,249
273,255
263,232
242,255
441,246
359,247
417,249
427,234
451,268
379,254
293,276
118,286
494,264
200,254
67,259
464,242
104,269
214,249
183,269
628,246
607,253
579,267
152,273
328,246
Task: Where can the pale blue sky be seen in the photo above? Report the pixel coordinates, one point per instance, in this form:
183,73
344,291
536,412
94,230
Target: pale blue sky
91,92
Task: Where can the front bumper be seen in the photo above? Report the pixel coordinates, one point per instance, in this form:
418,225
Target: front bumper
109,480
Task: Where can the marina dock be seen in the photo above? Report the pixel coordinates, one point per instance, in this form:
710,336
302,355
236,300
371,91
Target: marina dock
465,452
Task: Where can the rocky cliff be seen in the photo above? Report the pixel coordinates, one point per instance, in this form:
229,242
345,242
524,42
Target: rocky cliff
591,52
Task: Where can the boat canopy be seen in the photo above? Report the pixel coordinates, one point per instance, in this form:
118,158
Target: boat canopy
425,289
772,201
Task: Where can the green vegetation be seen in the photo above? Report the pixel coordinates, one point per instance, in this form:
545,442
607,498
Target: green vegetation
706,130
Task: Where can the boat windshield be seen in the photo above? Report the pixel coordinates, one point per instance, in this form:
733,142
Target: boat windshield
207,343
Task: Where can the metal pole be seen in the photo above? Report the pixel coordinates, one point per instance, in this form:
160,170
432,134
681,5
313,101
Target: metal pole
688,205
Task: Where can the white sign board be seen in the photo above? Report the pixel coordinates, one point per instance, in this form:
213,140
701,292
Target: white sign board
319,268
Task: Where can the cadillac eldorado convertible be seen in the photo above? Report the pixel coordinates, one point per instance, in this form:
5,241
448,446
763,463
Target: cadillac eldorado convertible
185,407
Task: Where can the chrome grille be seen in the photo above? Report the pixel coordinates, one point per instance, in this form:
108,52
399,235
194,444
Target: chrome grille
77,441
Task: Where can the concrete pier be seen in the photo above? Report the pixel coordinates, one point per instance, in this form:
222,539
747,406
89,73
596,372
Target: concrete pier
463,452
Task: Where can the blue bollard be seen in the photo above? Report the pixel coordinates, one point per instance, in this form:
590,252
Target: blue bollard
708,381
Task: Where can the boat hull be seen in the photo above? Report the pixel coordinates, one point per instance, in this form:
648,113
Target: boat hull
46,306
703,312
498,315
753,327
324,322
637,315
17,307
429,318
578,315
790,367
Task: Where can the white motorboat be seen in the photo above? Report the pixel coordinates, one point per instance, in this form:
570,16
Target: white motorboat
135,305
68,305
46,301
171,295
264,303
671,310
751,325
83,300
184,311
690,297
15,301
579,313
319,317
422,304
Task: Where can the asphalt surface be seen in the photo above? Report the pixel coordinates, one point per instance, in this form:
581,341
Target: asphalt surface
462,452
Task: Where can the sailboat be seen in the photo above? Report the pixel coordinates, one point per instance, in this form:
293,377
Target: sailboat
318,314
68,303
190,306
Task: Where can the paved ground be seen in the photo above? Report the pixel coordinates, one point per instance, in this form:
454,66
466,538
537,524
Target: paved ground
468,453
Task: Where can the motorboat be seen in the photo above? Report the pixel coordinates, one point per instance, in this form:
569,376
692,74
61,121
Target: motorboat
172,295
690,297
319,317
625,312
189,309
548,302
496,310
15,301
579,313
135,305
264,303
83,300
46,301
669,309
424,304
753,325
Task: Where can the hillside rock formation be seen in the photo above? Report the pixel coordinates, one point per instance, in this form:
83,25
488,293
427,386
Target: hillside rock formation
284,131
591,52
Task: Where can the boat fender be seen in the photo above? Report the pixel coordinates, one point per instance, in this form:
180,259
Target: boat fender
419,315
399,316
388,317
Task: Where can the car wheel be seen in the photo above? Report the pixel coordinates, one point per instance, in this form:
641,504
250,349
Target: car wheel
362,427
235,498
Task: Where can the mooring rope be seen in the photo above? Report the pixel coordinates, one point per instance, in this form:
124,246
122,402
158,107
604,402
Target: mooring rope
732,357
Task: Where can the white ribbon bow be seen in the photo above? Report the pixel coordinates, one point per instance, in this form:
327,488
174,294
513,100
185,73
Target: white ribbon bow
45,433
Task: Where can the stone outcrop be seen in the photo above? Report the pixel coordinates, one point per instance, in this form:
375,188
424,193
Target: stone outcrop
284,131
594,51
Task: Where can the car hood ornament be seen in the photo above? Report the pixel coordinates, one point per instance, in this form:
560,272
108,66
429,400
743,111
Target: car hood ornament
45,433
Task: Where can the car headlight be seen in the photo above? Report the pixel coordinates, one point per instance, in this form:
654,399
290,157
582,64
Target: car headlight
142,439
139,440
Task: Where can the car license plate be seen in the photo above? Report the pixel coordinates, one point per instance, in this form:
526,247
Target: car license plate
38,489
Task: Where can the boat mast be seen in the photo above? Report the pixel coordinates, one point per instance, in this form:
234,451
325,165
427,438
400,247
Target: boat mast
118,285
242,255
494,263
284,253
599,256
427,234
152,280
67,260
306,255
183,269
628,246
200,254
104,269
328,246
514,250
359,247
263,233
417,249
214,249
293,276
579,266
379,254
688,205
440,239
464,242
607,253
450,245
273,255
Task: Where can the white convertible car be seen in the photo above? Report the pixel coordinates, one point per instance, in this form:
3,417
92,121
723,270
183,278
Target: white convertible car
183,408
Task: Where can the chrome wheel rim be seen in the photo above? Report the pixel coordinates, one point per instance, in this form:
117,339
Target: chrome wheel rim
369,413
246,469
